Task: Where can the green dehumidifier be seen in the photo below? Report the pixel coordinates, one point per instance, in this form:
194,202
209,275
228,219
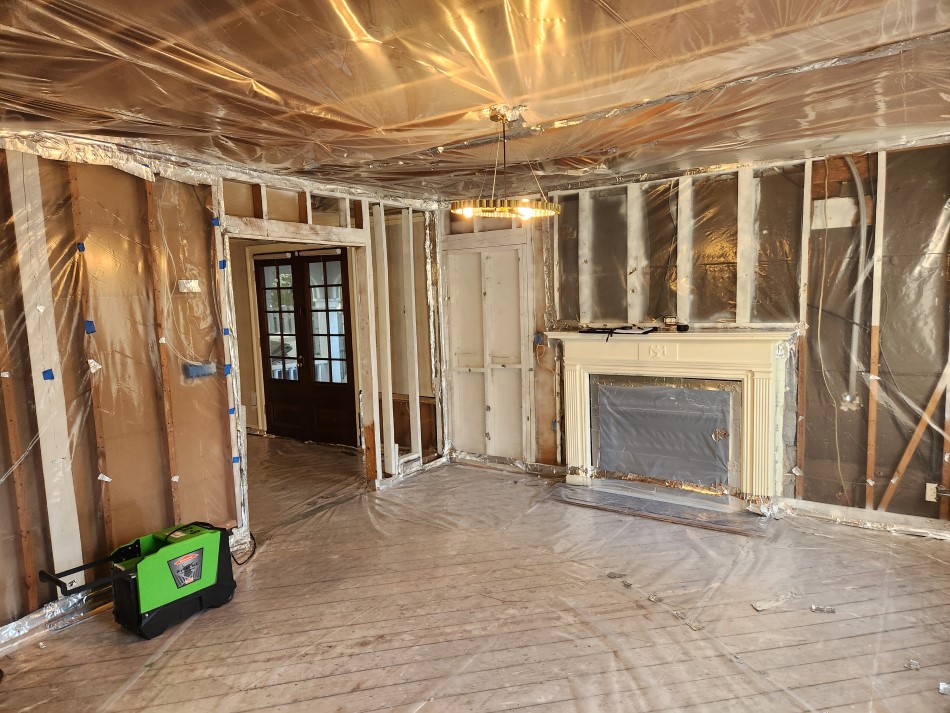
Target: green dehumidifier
163,578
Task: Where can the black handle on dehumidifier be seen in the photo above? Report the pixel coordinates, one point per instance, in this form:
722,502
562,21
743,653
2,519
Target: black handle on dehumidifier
63,586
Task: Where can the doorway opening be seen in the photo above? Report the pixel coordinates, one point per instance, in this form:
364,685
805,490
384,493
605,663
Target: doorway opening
294,309
306,346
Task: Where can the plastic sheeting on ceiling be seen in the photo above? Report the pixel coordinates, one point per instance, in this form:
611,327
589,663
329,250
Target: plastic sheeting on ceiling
393,94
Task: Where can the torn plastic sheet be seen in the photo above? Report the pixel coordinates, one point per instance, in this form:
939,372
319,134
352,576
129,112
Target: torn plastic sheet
493,592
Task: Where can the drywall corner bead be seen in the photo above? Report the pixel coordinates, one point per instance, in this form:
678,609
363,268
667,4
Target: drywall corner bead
105,478
90,326
94,366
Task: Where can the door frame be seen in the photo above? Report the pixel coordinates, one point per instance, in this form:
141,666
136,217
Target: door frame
277,236
293,252
520,240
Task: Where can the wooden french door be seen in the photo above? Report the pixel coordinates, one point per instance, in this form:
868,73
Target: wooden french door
306,347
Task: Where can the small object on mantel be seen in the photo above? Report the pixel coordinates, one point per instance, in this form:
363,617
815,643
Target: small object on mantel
670,322
822,610
634,329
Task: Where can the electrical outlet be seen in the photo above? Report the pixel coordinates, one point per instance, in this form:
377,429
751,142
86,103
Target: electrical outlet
931,496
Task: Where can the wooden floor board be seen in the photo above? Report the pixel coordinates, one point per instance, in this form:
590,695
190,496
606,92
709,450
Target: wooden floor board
467,589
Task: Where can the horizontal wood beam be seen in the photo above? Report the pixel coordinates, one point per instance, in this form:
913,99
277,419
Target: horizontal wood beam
257,228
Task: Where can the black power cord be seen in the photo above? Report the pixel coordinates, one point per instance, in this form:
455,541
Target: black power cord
250,556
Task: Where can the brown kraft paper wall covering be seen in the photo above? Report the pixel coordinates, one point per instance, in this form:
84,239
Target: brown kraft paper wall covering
105,316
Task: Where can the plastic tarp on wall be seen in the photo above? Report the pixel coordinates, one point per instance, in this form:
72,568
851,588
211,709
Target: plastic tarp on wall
827,459
394,93
913,338
106,238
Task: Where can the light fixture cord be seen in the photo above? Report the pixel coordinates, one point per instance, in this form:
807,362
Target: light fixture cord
504,153
541,190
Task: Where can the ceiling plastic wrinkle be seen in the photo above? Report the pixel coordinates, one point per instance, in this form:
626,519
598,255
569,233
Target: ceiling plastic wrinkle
395,94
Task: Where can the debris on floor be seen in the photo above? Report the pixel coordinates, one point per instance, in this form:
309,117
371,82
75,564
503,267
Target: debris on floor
822,610
765,604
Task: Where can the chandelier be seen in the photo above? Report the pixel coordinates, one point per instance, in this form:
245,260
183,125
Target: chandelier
504,207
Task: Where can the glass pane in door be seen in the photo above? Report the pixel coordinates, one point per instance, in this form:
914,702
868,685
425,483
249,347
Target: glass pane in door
281,337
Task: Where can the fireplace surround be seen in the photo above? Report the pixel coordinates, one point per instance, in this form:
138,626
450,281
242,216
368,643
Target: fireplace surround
755,359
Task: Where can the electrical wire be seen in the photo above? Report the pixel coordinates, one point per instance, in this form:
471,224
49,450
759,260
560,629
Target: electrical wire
241,563
821,355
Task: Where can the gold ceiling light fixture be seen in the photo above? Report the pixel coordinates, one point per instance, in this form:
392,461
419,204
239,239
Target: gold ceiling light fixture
504,207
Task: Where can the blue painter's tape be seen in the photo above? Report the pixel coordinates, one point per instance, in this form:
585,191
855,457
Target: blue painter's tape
231,411
222,264
236,459
227,369
48,375
216,221
90,326
227,332
81,247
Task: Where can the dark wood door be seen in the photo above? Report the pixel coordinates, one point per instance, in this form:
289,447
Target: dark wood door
306,347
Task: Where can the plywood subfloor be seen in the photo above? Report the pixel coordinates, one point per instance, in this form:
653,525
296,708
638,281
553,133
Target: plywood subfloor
472,590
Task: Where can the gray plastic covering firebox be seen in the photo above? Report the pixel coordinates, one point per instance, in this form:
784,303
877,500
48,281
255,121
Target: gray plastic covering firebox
665,431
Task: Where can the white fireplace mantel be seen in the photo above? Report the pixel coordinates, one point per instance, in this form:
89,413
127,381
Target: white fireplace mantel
757,359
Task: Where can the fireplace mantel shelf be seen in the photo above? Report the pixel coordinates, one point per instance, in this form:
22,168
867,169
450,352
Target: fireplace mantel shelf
757,335
756,358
